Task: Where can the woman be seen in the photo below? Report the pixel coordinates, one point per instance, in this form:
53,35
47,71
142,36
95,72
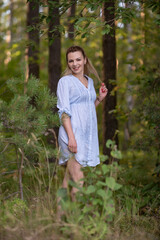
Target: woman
77,102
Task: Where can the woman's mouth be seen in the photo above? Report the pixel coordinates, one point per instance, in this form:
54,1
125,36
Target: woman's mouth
75,68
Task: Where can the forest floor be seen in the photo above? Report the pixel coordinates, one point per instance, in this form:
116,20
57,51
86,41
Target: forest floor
135,216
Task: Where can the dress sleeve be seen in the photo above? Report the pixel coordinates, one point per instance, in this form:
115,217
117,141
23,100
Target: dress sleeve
63,103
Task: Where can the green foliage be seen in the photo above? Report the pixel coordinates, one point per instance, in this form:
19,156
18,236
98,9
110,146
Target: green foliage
115,153
127,14
87,19
147,111
100,212
95,201
16,207
136,199
28,115
154,5
98,192
108,200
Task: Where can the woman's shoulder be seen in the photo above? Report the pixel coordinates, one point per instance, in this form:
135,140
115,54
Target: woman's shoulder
65,79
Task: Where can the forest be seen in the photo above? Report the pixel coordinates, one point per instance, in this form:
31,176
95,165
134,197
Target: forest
120,198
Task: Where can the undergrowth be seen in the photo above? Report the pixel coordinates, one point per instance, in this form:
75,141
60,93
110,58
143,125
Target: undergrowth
107,207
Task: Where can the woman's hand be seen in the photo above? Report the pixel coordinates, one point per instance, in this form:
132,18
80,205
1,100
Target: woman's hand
102,92
72,145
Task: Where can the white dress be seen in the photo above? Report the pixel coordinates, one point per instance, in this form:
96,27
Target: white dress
78,102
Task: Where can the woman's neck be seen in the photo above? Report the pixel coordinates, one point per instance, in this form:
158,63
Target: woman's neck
79,76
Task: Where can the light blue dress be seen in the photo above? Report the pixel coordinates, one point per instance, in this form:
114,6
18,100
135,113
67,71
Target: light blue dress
78,102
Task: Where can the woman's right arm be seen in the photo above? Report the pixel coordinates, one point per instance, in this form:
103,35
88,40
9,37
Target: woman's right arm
66,121
63,104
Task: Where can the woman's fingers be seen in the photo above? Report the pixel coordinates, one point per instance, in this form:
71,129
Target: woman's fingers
73,147
103,88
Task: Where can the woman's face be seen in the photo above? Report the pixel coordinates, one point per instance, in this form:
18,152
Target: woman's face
76,62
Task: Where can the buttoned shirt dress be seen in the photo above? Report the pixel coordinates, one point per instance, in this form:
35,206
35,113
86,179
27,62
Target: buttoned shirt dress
78,102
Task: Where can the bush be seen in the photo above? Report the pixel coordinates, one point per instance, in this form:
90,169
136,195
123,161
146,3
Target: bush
24,122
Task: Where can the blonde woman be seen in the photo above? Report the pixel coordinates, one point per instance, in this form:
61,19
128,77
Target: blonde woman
77,102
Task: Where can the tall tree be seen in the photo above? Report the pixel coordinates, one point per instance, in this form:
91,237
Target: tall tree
54,62
11,22
71,15
110,123
33,37
129,59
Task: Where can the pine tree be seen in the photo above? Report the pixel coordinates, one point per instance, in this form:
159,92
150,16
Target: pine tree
23,124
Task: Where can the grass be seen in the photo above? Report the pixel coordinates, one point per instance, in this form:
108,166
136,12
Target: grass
40,223
136,214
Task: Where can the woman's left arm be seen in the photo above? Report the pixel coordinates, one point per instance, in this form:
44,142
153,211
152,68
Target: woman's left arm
102,94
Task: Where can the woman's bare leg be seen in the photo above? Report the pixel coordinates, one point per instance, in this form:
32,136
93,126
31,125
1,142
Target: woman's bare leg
66,179
74,169
60,212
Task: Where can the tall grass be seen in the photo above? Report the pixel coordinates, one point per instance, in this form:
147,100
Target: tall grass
107,214
107,207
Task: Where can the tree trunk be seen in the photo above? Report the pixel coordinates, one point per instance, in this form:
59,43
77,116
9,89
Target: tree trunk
33,38
129,97
110,123
71,15
54,64
11,22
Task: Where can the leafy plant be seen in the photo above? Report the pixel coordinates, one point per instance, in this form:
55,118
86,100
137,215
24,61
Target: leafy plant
96,199
147,112
24,122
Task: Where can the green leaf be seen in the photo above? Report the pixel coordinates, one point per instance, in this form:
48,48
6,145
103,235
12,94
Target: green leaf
106,30
98,172
100,183
62,192
105,169
87,209
101,193
29,29
90,189
97,201
110,207
110,143
111,183
116,154
74,184
109,194
103,158
84,35
88,5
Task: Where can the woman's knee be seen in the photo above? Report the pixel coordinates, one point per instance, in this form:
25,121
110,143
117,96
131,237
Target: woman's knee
75,170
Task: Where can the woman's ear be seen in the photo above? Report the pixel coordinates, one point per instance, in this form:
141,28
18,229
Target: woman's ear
85,60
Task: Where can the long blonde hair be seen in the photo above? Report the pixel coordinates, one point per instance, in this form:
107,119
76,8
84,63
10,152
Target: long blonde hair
88,67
